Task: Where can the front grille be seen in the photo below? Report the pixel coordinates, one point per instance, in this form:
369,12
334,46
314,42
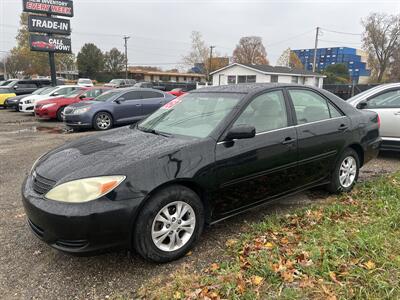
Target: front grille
36,229
42,185
72,243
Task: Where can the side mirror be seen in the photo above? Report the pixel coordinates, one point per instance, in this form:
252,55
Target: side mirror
241,132
82,97
119,100
362,105
15,87
55,94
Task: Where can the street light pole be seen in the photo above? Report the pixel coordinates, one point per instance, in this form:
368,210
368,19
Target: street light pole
126,55
209,63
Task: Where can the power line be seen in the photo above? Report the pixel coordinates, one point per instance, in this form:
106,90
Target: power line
288,39
341,32
341,42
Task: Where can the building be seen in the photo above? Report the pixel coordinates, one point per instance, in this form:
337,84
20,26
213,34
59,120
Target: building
160,76
239,73
355,59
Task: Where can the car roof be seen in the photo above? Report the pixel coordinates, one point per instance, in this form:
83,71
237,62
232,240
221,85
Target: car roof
245,88
132,88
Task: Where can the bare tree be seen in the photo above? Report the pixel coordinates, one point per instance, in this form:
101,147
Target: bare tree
380,39
250,50
290,59
199,52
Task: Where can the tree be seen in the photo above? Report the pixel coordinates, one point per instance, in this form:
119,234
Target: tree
199,52
114,61
290,59
90,60
250,50
380,38
395,66
336,74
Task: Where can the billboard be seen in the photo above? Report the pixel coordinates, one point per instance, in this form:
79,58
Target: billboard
48,25
49,43
55,7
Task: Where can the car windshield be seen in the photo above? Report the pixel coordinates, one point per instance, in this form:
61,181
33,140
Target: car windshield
107,96
195,115
85,81
116,81
8,82
40,91
48,90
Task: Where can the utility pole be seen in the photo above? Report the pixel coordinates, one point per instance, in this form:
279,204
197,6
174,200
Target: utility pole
315,49
52,62
126,55
209,63
5,67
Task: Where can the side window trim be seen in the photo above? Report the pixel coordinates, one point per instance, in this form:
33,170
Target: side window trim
293,111
382,93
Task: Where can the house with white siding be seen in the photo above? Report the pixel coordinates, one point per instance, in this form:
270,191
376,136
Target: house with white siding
240,73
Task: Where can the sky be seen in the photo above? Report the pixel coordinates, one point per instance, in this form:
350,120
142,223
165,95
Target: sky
160,30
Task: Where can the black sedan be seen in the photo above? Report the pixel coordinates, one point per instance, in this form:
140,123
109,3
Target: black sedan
199,159
115,107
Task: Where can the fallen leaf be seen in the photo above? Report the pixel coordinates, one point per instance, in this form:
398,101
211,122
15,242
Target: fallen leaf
231,242
369,265
332,275
177,295
287,276
269,245
284,240
214,267
256,280
189,253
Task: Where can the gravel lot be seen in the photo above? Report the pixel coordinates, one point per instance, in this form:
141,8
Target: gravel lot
29,269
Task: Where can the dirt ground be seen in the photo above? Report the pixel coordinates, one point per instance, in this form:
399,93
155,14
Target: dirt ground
29,269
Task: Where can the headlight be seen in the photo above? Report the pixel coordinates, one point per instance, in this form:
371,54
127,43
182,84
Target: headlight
28,101
84,190
48,105
78,111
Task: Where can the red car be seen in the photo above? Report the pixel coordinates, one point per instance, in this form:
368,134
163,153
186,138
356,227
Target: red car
43,45
53,108
178,92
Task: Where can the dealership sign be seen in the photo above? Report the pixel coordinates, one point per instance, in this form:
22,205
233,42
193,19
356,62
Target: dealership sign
49,43
49,25
53,7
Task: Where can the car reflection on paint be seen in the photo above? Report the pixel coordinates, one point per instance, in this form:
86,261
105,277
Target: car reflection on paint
199,159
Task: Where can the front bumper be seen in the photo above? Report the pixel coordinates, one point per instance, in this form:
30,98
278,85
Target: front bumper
78,121
82,227
11,104
27,108
45,114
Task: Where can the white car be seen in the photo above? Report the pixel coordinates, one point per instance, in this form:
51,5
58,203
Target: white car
85,82
384,100
27,104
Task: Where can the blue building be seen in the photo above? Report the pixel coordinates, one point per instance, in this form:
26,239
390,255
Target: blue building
355,59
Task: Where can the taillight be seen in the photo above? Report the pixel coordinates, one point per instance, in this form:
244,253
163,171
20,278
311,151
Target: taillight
379,120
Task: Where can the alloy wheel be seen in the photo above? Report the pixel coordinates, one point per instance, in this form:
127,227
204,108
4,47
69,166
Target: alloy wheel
103,121
348,171
173,226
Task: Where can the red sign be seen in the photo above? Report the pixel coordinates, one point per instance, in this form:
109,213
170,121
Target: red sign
54,7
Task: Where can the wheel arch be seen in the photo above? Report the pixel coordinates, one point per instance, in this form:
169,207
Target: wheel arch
189,183
360,151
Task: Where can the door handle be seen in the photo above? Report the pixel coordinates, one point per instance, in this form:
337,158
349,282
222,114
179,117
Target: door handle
288,140
138,104
343,127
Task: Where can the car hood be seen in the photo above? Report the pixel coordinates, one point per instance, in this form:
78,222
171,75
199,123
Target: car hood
85,103
16,98
113,152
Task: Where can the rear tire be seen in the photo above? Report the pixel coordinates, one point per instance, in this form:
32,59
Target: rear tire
346,172
59,113
102,121
169,224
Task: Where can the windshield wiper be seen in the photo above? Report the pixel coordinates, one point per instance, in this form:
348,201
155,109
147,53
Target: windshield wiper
156,132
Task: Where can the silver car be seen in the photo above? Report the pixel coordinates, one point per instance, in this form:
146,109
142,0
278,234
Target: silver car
384,100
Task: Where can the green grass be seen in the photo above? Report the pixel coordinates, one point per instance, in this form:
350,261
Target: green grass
348,247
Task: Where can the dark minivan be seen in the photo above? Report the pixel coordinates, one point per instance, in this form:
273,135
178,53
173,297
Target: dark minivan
203,157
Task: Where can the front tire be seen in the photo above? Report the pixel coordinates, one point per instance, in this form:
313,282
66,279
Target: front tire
169,224
102,121
345,175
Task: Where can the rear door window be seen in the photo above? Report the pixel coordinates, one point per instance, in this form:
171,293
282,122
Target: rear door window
134,95
309,106
151,94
